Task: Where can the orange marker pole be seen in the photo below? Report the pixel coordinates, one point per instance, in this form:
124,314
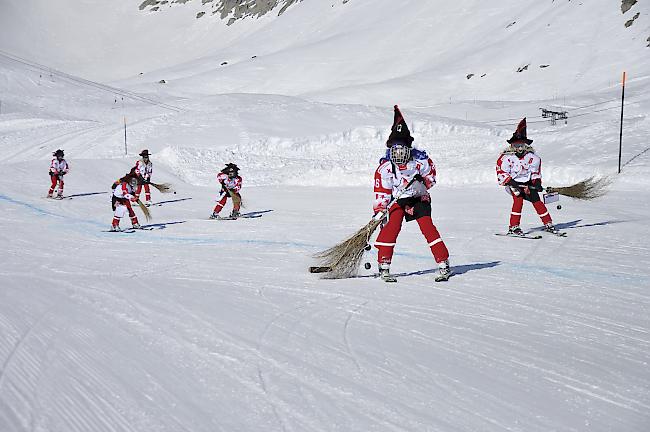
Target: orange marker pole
620,137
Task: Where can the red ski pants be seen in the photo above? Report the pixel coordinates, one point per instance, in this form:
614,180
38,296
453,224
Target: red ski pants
55,179
518,205
387,237
147,191
236,204
122,208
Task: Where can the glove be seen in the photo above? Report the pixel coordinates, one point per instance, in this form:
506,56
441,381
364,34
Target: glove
536,185
514,187
419,178
61,173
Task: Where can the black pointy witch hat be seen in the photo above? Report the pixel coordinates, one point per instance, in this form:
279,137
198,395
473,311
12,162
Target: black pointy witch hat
520,134
399,132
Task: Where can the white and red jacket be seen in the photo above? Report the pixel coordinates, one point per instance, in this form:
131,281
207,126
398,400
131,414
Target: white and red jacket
124,190
520,169
390,179
143,169
59,166
234,184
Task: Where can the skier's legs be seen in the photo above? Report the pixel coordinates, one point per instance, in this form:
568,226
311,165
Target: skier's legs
236,202
387,237
134,218
515,213
542,212
438,248
60,193
147,192
220,204
120,212
54,179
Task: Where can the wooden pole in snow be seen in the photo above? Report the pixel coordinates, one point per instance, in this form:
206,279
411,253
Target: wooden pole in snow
125,149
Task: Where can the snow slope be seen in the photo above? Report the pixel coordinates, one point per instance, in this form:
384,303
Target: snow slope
204,325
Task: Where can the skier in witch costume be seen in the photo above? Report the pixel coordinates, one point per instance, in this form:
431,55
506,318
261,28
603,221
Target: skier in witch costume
144,169
519,170
58,168
231,184
123,196
402,164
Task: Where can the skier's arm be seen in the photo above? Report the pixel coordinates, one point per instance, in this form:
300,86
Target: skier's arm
237,187
66,168
427,173
126,194
383,190
138,170
503,171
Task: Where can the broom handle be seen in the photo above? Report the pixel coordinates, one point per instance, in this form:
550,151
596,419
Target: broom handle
382,214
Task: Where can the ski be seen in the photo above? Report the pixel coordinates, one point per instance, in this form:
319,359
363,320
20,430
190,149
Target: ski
131,230
557,233
525,236
241,216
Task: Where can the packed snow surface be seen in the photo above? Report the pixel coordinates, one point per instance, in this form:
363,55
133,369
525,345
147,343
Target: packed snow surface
200,325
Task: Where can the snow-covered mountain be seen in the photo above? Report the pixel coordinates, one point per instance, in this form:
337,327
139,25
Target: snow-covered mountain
215,326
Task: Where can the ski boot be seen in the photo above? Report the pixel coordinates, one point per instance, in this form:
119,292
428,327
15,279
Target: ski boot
384,273
550,228
444,271
137,226
115,228
148,203
515,230
235,214
215,216
59,196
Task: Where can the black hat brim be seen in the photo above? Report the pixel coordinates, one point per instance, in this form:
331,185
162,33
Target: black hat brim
516,140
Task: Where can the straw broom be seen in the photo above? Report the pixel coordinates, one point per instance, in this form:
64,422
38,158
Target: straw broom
163,187
145,210
342,260
587,189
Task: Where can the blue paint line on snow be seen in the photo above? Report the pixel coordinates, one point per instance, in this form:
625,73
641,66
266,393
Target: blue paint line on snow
570,273
39,211
42,212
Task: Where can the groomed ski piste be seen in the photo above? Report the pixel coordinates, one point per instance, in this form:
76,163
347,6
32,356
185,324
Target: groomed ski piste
200,325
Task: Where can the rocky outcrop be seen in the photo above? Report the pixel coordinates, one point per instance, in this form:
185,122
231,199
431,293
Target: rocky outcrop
627,4
232,10
631,21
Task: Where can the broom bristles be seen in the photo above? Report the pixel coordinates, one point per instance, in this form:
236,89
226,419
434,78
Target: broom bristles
145,210
236,198
163,187
587,189
344,258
